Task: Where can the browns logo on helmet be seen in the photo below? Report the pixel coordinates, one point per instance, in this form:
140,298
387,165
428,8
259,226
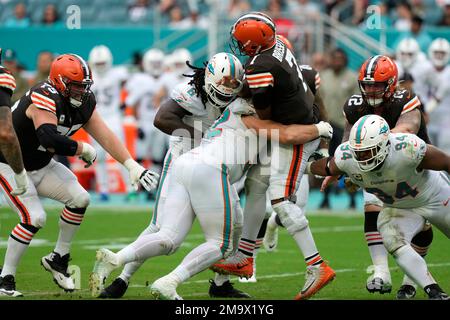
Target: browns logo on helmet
72,77
253,33
378,79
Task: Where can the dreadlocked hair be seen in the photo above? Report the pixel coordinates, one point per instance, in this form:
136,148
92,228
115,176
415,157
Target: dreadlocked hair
198,80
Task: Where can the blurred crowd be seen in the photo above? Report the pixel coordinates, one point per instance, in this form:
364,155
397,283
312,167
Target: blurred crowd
397,14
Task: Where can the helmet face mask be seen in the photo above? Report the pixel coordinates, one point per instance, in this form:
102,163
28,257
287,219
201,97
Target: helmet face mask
153,62
373,92
378,77
77,92
223,79
407,52
100,59
369,142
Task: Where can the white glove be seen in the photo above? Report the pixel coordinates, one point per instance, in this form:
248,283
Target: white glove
21,183
323,152
138,174
325,129
88,154
431,105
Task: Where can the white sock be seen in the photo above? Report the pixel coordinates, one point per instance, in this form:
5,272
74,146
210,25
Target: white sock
69,223
220,279
414,266
18,243
377,251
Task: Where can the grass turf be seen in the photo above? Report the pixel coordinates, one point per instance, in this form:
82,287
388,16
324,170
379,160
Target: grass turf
280,274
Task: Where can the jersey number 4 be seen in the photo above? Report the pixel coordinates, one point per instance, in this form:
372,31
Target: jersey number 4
403,190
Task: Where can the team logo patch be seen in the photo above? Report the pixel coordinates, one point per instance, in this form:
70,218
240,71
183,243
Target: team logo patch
211,67
357,177
384,129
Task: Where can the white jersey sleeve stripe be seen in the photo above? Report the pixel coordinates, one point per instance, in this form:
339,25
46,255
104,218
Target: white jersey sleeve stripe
411,105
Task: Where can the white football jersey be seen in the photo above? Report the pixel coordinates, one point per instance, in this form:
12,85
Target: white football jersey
437,85
397,183
107,88
141,89
203,116
228,142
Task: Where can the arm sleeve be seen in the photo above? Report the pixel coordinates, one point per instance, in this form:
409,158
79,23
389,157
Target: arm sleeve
260,81
415,149
412,102
7,81
5,97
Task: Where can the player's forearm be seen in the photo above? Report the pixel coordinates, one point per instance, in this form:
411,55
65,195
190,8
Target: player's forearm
172,125
319,168
408,122
298,134
111,143
323,114
9,144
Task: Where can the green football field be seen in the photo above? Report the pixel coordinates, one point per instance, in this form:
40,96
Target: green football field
280,274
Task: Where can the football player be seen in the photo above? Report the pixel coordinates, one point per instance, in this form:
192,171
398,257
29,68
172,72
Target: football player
220,161
378,79
143,86
397,169
243,263
436,79
9,144
193,107
106,88
279,93
44,119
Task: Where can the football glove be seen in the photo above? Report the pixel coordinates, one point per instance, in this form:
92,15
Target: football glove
88,154
21,180
139,175
325,130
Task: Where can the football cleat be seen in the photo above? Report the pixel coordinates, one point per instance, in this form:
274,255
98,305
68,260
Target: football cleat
106,262
406,292
271,237
238,264
226,290
57,266
379,282
164,289
252,279
317,277
435,292
115,290
8,287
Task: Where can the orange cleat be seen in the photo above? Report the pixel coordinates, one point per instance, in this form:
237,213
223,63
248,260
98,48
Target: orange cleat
238,265
317,277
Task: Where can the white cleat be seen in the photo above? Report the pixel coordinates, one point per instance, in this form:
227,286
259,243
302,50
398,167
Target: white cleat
57,265
270,241
379,281
164,289
106,262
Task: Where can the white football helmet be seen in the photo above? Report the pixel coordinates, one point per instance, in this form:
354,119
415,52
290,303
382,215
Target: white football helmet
407,52
222,65
100,59
368,141
179,58
153,62
439,52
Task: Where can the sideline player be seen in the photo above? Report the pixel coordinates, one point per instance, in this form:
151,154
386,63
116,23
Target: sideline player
106,88
44,119
397,169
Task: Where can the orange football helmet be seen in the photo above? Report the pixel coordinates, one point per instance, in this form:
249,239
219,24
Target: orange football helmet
72,77
378,79
286,42
253,33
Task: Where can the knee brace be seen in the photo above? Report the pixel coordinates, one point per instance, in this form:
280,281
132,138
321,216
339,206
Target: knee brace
291,216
